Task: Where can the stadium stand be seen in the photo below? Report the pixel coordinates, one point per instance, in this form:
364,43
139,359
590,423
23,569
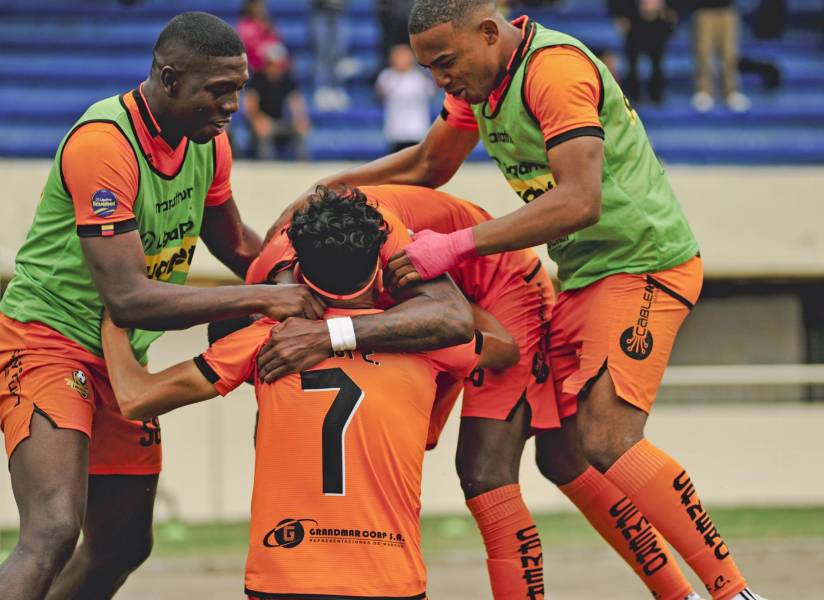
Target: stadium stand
58,56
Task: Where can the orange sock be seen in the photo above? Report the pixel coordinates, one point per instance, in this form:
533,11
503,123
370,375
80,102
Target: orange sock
513,547
661,488
629,533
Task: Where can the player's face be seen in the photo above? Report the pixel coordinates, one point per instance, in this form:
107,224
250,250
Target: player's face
208,96
464,63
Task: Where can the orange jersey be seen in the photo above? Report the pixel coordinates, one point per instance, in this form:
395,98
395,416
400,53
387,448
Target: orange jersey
562,89
99,157
339,452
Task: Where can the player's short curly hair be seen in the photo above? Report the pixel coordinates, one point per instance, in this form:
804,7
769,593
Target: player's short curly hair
204,34
337,237
426,14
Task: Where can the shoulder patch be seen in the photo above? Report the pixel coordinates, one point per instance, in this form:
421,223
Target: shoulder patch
104,203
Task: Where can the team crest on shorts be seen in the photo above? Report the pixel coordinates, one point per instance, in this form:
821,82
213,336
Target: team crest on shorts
79,383
103,203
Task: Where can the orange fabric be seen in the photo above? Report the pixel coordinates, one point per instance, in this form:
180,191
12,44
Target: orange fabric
497,283
562,89
40,370
97,157
513,546
629,533
624,323
335,510
662,489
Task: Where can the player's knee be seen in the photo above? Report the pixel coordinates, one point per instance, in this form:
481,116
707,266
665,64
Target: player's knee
559,468
478,478
51,542
599,448
137,551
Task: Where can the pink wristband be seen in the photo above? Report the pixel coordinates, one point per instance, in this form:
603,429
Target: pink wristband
433,254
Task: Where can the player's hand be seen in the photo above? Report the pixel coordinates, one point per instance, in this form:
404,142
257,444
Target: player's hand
430,255
286,215
294,346
291,300
401,271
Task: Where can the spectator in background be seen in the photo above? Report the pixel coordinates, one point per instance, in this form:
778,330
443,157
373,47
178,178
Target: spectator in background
406,91
647,26
256,31
393,16
330,50
275,109
715,27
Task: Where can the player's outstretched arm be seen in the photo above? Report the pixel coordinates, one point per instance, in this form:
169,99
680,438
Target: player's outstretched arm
573,204
430,163
228,238
118,269
142,395
432,315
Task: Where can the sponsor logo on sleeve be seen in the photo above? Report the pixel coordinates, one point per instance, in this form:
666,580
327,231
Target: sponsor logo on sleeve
104,203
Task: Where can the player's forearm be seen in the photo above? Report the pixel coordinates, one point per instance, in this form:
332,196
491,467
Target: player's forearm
159,306
238,253
432,320
409,166
551,216
127,377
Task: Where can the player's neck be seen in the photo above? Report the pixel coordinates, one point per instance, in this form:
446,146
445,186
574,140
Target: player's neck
157,104
511,38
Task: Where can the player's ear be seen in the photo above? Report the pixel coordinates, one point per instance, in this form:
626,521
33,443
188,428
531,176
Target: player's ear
169,79
489,31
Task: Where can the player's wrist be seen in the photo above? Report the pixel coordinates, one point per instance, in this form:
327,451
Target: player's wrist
462,243
342,334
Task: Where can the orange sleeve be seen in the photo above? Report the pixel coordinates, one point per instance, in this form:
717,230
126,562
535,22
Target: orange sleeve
563,90
459,361
458,113
100,173
277,255
398,237
232,360
221,189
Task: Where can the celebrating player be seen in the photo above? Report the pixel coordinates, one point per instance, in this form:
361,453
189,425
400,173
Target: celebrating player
134,184
339,448
570,145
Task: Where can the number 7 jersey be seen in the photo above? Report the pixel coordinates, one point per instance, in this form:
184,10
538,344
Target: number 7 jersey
339,453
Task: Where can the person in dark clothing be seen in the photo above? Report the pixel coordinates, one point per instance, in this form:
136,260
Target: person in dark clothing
393,16
647,26
275,109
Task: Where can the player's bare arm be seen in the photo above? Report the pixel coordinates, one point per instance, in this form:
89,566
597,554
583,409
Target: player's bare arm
430,163
143,395
573,204
228,238
433,315
498,349
117,266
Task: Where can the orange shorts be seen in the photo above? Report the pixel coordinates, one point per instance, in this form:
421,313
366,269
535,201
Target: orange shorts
625,323
523,308
42,371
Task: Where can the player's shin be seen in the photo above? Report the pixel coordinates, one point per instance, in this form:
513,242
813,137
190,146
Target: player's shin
662,489
513,546
629,533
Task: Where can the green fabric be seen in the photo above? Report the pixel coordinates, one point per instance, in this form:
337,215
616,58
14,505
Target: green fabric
642,227
51,282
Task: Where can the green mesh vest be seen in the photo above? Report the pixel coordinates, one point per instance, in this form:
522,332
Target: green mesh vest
642,227
51,282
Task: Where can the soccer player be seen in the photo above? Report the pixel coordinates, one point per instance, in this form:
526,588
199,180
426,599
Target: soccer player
339,448
134,184
570,145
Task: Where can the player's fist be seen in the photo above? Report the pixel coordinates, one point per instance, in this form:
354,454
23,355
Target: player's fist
291,300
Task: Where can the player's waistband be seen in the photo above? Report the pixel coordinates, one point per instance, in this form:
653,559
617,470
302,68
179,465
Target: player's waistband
266,596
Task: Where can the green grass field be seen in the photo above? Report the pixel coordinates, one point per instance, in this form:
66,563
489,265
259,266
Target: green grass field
454,533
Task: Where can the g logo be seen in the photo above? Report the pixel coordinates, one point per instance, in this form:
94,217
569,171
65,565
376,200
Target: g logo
286,534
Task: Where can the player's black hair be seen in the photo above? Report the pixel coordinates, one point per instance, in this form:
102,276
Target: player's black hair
426,14
337,238
203,34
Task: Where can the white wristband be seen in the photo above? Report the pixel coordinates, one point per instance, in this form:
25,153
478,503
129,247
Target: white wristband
342,334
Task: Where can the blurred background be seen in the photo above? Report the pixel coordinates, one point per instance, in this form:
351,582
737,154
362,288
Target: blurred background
734,108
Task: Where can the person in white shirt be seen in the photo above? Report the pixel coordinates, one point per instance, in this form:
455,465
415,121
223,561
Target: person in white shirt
406,91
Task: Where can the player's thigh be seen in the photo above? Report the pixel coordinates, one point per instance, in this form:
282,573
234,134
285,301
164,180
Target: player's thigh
119,513
558,452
